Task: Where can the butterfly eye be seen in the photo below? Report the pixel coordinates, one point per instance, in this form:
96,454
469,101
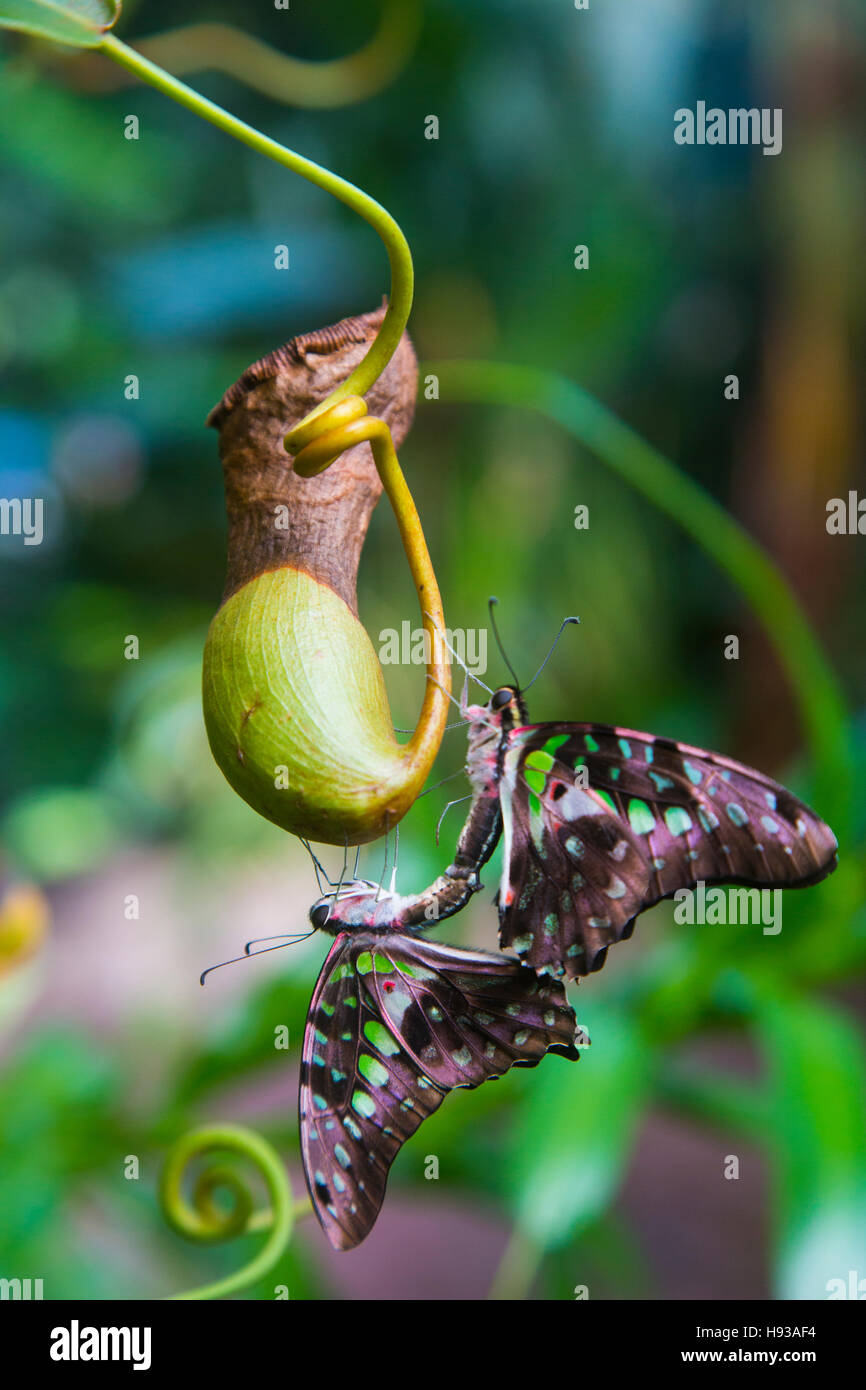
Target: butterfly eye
319,914
502,697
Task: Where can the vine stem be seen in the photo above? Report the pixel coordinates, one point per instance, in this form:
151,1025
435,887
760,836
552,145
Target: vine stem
218,47
822,704
206,1222
399,255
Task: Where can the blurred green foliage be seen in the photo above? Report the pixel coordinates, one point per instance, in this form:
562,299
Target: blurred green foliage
155,258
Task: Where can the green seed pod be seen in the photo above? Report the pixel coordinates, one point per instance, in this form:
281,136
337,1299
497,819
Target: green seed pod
294,699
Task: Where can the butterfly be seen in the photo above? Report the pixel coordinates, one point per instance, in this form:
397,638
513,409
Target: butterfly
600,823
395,1023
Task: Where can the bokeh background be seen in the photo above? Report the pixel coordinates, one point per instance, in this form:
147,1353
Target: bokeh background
155,258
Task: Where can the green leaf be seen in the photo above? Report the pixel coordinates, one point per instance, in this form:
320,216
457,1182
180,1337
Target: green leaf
576,1131
78,22
816,1126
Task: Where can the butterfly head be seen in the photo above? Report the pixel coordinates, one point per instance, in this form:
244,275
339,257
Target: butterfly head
507,706
360,903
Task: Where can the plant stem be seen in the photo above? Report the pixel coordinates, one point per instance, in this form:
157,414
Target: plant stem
216,47
399,255
813,682
204,1222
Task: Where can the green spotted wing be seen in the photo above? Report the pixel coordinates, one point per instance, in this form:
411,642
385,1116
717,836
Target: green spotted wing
396,1023
599,823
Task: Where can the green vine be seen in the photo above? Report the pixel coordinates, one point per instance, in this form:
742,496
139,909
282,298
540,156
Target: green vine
399,255
206,1221
217,47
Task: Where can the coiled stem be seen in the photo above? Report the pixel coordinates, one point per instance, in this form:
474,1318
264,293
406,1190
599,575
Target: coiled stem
205,1220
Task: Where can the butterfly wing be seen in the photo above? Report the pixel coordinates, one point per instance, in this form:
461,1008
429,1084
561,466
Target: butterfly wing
396,1023
585,852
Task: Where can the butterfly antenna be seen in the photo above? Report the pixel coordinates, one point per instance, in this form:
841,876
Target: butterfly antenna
563,626
288,938
457,657
491,604
248,955
357,860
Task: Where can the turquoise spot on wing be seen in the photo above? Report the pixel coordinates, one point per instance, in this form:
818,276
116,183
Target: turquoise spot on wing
693,773
770,798
342,1156
551,925
640,817
649,752
625,747
736,814
381,1037
661,781
678,820
521,1037
615,889
575,847
337,1075
338,1182
363,1104
435,1013
614,774
319,1102
320,1037
591,743
708,819
372,1070
769,824
351,1000
462,1056
608,800
327,1009
354,1130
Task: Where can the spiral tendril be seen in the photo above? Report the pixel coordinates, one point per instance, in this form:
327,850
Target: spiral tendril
205,1220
